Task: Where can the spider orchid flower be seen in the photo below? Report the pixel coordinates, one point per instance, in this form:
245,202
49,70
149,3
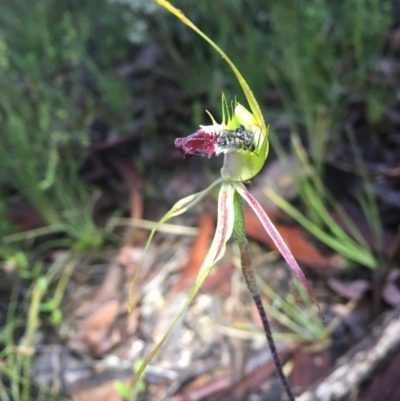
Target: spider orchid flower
242,137
244,145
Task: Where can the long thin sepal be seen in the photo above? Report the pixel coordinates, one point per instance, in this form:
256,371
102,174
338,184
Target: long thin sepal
276,237
180,207
255,108
217,250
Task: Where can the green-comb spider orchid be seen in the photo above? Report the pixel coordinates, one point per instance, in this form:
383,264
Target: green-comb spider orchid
242,137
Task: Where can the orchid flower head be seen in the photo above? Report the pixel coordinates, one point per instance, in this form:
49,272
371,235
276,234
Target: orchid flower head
239,137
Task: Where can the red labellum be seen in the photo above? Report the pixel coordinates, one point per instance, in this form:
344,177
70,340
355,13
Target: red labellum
200,143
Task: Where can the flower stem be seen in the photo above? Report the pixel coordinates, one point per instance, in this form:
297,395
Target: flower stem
251,282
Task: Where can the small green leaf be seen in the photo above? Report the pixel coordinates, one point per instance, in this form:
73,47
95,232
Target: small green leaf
56,317
122,389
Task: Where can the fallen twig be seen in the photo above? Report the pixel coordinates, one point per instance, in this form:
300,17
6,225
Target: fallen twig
358,364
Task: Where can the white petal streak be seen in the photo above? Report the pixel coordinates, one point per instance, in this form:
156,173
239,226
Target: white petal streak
222,233
217,249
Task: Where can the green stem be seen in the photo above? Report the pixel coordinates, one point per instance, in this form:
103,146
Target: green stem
251,282
239,229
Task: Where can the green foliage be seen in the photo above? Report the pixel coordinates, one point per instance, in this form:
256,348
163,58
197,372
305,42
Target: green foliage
317,219
43,288
15,369
321,56
58,65
294,313
56,76
300,319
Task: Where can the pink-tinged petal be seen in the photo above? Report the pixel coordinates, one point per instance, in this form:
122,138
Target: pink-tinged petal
217,249
276,237
201,143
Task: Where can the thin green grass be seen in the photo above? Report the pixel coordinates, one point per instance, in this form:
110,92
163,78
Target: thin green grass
44,291
15,369
296,315
316,218
55,81
58,75
322,56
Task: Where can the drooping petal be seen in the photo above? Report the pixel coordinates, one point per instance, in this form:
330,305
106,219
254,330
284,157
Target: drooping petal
217,249
180,207
222,234
276,237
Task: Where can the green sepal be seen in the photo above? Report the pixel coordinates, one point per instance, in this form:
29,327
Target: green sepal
244,164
